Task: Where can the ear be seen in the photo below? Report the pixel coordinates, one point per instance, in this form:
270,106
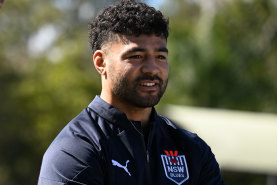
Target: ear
99,62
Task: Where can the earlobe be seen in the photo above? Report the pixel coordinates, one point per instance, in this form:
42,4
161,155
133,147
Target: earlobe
99,62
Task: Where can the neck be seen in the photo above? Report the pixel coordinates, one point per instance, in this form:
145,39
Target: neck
132,112
139,114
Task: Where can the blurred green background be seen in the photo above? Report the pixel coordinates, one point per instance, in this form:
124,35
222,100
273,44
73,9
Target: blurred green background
223,54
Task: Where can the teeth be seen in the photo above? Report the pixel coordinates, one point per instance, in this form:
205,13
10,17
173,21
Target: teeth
148,84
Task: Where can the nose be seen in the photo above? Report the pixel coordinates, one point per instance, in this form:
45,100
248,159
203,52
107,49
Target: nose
150,66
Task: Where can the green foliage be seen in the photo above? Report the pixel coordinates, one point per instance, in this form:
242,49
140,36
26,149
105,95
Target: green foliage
225,56
41,92
241,57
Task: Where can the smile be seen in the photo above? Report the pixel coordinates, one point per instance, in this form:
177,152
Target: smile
148,84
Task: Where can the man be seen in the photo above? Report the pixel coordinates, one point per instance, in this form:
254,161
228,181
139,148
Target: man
120,139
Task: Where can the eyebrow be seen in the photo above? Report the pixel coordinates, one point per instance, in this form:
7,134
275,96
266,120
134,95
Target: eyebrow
133,50
163,49
139,49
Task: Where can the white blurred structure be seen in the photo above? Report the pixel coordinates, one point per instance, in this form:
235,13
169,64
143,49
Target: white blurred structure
241,141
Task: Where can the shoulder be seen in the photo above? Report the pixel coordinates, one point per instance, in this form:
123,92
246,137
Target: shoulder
169,124
178,132
75,145
81,132
197,152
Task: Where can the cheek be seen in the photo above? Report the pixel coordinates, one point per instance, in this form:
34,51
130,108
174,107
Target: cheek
117,73
165,70
130,70
112,68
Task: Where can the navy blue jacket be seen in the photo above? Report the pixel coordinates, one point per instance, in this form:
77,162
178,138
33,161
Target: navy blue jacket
102,147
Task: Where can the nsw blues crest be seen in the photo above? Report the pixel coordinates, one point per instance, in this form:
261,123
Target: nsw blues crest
175,167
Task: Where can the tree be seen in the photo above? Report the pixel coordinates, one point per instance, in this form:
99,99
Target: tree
224,57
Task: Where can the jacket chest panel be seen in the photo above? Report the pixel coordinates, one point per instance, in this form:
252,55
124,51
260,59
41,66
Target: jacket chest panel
125,159
127,162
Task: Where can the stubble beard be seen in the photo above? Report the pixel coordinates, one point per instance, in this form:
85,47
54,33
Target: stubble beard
127,91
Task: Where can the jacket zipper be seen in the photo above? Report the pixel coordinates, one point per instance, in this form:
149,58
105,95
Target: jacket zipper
147,156
148,143
146,147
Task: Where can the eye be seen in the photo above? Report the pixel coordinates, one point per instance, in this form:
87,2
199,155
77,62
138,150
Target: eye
135,57
161,57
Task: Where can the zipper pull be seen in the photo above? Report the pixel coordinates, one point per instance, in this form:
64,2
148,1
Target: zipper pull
147,156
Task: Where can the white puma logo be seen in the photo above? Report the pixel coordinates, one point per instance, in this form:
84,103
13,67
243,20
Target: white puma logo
115,163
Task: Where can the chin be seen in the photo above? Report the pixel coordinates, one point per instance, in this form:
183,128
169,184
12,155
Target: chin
146,101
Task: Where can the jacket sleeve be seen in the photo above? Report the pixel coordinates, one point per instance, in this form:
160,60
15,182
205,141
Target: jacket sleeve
210,172
71,160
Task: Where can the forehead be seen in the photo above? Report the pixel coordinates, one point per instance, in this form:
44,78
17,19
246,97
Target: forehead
147,42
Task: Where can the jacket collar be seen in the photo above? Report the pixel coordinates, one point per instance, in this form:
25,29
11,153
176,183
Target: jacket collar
108,112
130,137
114,115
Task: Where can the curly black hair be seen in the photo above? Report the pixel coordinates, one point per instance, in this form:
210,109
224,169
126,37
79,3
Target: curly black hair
128,17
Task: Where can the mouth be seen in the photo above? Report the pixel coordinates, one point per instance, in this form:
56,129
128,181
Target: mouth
147,84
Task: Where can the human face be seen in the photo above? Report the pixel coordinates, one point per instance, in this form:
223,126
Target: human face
137,70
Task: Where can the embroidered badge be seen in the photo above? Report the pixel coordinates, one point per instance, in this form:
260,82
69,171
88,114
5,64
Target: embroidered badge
115,163
175,167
